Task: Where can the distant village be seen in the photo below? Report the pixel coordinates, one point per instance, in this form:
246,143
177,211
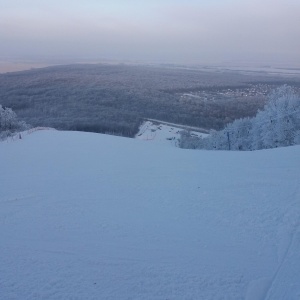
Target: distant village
253,91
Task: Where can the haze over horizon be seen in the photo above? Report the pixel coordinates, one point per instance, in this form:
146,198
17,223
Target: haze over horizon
200,31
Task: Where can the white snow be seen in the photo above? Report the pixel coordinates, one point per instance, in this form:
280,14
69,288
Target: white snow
164,134
89,216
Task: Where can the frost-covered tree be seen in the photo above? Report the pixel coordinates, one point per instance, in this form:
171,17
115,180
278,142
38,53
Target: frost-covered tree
9,123
297,138
239,134
186,141
8,119
281,116
256,131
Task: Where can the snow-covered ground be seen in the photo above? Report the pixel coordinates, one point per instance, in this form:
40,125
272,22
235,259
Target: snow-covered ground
159,133
90,216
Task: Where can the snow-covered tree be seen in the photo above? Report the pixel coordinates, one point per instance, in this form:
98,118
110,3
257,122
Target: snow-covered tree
9,123
256,131
8,119
297,138
187,141
239,135
281,116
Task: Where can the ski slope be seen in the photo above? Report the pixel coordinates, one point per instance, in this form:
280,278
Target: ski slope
90,216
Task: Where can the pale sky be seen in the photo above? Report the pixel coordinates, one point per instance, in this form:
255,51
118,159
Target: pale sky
191,31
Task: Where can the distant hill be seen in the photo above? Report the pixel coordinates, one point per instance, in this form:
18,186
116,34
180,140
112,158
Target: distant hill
116,98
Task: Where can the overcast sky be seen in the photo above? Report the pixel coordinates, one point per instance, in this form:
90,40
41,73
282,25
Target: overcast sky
184,31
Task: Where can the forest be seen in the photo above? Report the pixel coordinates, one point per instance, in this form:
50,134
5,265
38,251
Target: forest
115,99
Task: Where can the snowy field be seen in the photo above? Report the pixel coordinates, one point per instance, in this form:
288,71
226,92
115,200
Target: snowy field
90,216
164,134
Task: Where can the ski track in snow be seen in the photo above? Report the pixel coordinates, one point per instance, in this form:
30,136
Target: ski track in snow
88,216
263,288
291,276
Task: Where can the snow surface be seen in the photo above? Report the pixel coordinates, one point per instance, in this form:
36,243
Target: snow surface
89,216
159,133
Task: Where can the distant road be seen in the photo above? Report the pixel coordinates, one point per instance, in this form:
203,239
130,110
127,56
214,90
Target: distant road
186,127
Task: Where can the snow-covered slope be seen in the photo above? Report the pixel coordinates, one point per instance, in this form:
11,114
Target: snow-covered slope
164,134
88,216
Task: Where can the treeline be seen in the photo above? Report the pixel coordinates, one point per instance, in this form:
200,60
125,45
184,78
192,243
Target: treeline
116,98
277,125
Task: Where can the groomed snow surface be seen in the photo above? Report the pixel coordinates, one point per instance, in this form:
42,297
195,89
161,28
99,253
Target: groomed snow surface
90,216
